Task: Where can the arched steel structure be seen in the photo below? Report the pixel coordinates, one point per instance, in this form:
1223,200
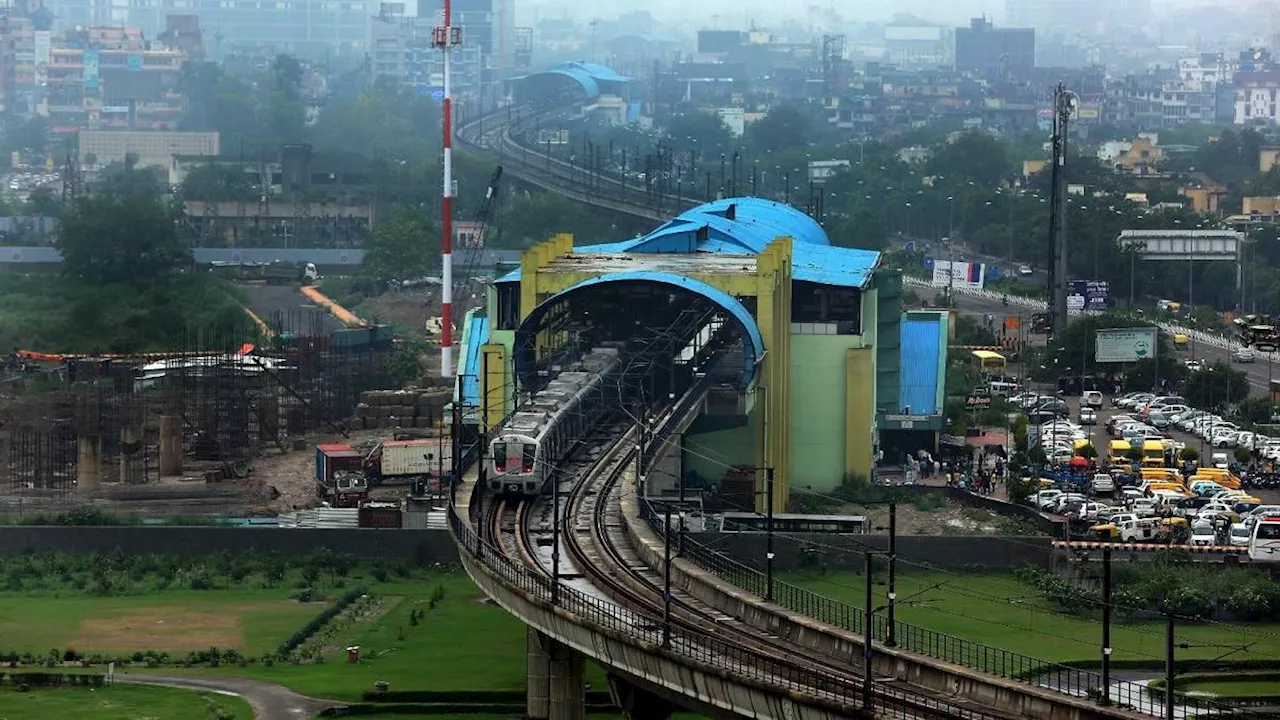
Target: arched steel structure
526,360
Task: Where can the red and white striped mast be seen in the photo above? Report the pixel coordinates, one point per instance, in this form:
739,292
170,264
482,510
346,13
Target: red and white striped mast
445,37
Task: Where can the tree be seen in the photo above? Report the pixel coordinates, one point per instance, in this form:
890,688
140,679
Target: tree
1071,353
1216,387
704,134
219,183
44,203
973,157
783,128
403,247
120,238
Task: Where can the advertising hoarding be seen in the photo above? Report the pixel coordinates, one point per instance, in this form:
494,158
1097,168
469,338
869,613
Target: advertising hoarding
958,274
1125,345
1088,295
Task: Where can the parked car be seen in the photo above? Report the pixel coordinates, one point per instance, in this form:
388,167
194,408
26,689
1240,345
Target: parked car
1103,484
1202,534
1088,416
1238,535
1092,398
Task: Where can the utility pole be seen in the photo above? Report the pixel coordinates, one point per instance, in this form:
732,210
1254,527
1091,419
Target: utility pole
892,639
1106,626
666,577
867,631
1065,103
768,531
1168,666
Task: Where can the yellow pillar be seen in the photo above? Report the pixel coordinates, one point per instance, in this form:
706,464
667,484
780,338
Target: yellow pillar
494,388
773,394
859,380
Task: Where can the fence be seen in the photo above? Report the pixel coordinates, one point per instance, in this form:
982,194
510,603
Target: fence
949,648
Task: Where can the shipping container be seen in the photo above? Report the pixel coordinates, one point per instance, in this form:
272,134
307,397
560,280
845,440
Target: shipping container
334,457
380,515
413,457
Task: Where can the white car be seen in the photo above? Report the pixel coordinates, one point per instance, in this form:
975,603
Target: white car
1238,536
1193,365
1224,438
1091,398
1103,483
1024,270
1088,416
1243,355
1202,534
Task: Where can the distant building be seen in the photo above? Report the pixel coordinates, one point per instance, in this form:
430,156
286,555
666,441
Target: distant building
1256,97
489,27
152,149
981,47
917,46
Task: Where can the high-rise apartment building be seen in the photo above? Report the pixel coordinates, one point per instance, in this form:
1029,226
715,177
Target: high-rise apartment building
488,26
984,48
308,28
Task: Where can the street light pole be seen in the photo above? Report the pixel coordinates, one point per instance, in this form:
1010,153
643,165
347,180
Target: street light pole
1168,666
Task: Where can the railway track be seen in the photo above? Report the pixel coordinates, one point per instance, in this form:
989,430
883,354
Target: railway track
595,537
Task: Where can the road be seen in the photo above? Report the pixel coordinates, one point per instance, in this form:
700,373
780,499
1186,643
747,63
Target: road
288,310
1259,373
269,701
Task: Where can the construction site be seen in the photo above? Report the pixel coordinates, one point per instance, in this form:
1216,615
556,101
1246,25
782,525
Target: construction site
211,429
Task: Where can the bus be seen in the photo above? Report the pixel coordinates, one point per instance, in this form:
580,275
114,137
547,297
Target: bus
989,363
1264,544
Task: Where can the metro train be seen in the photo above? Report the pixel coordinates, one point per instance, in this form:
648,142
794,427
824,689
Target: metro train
538,436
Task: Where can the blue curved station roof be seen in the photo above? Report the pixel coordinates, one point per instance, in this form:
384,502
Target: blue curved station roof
753,345
587,75
745,226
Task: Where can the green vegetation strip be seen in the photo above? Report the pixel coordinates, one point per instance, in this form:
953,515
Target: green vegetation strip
1007,613
121,702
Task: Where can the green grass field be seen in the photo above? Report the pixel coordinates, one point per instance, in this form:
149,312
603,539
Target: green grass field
117,702
1006,613
1234,688
251,620
463,643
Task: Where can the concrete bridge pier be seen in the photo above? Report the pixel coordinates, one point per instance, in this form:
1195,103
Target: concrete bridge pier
638,703
556,688
88,463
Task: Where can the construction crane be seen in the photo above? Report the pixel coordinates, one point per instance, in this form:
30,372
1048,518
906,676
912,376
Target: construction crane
475,248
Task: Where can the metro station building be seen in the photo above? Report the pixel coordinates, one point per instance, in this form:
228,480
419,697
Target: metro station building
828,368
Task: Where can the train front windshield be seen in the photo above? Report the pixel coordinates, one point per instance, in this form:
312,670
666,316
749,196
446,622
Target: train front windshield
509,453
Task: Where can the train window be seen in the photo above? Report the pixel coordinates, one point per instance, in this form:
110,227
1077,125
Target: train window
530,455
508,306
500,457
1269,531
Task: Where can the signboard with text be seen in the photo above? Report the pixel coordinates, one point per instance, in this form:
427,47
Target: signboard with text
1125,345
1088,295
958,274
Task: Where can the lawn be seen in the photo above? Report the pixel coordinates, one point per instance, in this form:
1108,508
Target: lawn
463,643
1001,611
118,702
1234,688
251,620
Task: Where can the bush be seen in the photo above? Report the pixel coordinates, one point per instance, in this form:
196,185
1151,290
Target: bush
1189,454
311,628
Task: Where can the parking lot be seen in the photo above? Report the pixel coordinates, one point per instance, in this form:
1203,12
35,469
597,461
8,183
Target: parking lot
1100,439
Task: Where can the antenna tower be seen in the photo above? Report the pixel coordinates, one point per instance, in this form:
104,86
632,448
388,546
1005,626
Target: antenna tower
446,37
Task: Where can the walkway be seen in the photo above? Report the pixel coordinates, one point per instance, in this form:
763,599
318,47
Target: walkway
268,700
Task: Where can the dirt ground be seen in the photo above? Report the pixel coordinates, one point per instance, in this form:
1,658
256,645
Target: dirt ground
941,517
408,310
293,474
168,629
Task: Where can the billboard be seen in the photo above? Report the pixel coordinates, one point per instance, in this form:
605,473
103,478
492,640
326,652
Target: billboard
43,49
1125,345
1088,295
958,274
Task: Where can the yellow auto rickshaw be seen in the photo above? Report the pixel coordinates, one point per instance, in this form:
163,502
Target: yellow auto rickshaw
1181,341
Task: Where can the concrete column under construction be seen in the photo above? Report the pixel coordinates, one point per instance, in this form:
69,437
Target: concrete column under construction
568,684
537,677
170,445
88,463
131,468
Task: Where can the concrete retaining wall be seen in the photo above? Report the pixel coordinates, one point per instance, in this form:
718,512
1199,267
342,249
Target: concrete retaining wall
976,553
422,546
437,546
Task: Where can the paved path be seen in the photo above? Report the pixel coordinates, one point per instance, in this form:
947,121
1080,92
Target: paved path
269,701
